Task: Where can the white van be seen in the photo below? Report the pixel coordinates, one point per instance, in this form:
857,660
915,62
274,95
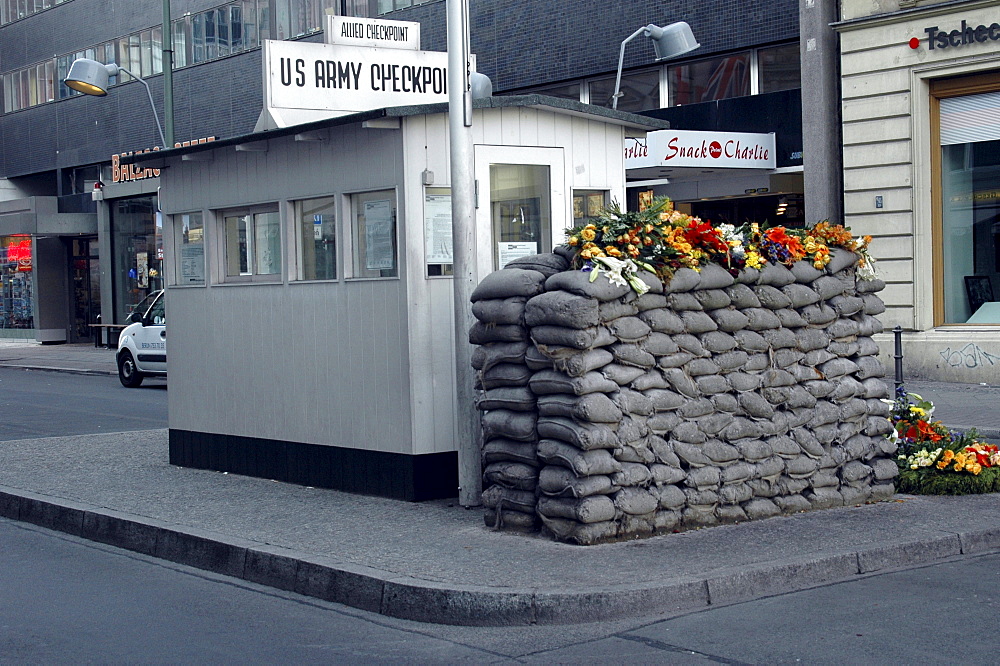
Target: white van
142,345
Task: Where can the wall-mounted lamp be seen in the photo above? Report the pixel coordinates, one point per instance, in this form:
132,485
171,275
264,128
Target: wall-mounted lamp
91,78
671,41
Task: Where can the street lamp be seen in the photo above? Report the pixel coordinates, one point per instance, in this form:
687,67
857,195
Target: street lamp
91,78
671,41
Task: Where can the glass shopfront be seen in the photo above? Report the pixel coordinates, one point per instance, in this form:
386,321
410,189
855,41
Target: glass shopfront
16,265
137,252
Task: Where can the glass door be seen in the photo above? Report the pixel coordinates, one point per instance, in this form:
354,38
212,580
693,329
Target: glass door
86,275
521,203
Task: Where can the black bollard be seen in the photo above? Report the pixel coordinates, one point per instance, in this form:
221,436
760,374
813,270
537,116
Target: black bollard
898,334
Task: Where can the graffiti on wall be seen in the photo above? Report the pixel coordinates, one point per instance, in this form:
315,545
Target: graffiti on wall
969,356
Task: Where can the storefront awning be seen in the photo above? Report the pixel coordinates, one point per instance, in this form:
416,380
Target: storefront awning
677,153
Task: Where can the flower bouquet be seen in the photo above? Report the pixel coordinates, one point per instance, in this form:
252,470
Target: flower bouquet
935,461
662,239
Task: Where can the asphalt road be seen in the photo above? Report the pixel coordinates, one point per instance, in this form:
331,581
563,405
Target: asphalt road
37,403
65,600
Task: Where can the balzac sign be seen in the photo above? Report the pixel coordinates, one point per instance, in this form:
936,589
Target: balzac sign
124,173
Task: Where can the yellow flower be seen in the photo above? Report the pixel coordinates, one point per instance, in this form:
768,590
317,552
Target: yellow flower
573,240
613,251
586,254
649,228
918,411
588,233
754,260
941,464
975,468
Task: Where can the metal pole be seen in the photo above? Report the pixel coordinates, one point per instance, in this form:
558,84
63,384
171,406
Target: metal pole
156,117
621,59
168,77
463,248
898,335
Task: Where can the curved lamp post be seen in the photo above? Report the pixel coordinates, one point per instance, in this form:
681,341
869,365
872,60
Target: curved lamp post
671,41
91,78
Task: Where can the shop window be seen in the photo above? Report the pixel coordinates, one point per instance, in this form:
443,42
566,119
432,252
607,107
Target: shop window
521,210
15,282
779,68
317,238
253,245
709,80
588,205
374,228
137,251
190,244
968,178
640,91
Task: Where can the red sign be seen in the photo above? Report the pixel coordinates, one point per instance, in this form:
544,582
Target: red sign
20,253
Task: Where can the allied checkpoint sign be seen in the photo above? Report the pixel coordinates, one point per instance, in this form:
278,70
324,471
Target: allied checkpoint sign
306,81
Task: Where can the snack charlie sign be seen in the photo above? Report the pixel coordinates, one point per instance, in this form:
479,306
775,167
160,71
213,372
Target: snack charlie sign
681,148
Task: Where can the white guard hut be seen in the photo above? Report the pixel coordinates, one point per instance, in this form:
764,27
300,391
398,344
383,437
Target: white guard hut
309,297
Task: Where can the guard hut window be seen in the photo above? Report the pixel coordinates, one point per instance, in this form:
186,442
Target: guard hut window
253,245
317,238
375,252
438,251
190,244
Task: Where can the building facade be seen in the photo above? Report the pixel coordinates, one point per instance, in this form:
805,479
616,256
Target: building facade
921,128
103,252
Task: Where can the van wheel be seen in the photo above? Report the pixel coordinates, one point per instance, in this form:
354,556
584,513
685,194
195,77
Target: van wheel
128,374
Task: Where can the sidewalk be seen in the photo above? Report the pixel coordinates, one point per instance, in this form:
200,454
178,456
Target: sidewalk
436,562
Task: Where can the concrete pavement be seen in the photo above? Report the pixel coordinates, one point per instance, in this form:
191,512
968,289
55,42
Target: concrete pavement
435,561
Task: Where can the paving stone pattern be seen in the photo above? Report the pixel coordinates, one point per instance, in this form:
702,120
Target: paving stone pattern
711,399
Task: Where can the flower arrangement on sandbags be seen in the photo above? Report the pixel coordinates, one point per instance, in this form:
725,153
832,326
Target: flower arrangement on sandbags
662,239
935,461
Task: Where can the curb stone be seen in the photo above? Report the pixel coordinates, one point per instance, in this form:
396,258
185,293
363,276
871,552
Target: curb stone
409,598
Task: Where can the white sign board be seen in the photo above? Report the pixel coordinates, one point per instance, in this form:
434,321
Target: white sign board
372,32
718,150
348,79
508,252
437,229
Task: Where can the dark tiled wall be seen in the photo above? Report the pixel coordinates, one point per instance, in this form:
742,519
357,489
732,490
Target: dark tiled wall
519,43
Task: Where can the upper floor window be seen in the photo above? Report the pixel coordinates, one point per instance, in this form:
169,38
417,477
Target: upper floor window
639,91
779,68
709,80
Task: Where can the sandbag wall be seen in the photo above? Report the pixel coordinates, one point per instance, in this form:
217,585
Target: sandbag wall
710,399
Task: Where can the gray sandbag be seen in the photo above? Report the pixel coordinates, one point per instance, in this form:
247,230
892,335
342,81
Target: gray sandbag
801,467
800,295
884,469
753,450
735,493
578,282
692,409
629,329
792,503
690,344
666,475
632,354
663,321
742,381
500,311
816,357
808,442
761,319
691,454
697,322
632,474
751,341
754,405
825,498
875,388
500,449
508,283
780,338
818,314
584,338
729,320
718,342
712,299
652,281
558,308
636,501
518,426
582,463
790,318
702,366
846,305
535,359
869,286
838,367
799,397
868,325
486,356
784,446
583,534
719,452
805,273
853,409
592,407
855,495
824,412
714,276
634,402
546,263
622,375
704,498
761,507
786,358
653,379
820,388
511,475
614,309
713,424
648,301
665,400
700,516
855,471
840,258
869,367
506,374
742,296
809,339
562,482
496,497
544,382
681,382
775,275
772,298
671,497
828,286
678,360
580,364
663,423
683,279
481,334
585,436
769,468
631,429
867,346
776,377
507,519
684,301
748,276
737,472
845,388
593,509
777,395
515,398
842,328
711,384
663,451
732,360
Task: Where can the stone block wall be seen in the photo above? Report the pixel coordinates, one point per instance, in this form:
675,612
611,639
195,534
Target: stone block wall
711,399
